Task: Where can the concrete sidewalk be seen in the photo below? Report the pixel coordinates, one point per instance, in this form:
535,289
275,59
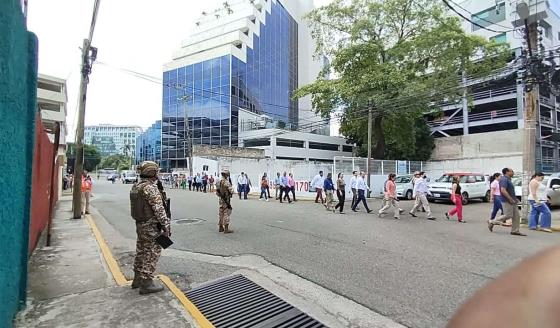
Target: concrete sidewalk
70,286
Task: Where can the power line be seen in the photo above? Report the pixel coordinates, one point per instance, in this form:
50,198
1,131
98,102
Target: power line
183,87
426,95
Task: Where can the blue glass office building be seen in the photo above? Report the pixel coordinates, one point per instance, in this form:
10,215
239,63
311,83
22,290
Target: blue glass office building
148,144
208,95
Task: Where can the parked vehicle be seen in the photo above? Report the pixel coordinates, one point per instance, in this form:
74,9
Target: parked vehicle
129,177
473,186
552,184
404,186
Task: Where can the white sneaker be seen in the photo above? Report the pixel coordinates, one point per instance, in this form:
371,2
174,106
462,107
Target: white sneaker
267,200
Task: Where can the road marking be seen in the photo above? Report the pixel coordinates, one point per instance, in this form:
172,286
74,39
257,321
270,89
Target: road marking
121,280
119,277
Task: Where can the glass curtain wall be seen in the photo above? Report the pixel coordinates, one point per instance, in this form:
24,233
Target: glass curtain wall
148,144
210,93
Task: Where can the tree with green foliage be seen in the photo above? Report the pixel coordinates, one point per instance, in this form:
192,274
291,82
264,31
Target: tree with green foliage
92,156
118,161
401,56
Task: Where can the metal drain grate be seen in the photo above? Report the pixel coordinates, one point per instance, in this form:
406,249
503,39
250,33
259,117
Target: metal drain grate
238,302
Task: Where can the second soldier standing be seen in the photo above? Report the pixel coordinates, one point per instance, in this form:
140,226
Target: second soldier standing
225,191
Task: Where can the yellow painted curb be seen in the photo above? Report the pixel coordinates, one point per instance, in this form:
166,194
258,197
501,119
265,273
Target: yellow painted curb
120,279
187,304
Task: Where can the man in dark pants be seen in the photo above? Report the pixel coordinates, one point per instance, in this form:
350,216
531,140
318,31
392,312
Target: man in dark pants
509,202
284,188
362,187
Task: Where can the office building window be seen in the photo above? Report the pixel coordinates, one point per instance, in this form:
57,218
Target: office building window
490,16
290,143
322,146
500,38
347,149
256,142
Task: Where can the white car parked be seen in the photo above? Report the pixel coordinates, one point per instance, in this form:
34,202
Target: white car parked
404,186
552,184
473,185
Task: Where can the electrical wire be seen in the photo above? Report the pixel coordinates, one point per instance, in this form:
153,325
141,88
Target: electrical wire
429,94
178,87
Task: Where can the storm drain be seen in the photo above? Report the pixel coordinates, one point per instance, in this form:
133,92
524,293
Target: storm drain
187,221
238,302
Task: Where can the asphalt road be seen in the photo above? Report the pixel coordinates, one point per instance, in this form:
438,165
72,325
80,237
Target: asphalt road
415,271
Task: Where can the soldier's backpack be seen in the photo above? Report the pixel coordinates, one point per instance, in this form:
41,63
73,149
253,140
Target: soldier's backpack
138,203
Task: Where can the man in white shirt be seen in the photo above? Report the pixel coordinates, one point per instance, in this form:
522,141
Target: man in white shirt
318,182
353,182
242,185
362,187
421,190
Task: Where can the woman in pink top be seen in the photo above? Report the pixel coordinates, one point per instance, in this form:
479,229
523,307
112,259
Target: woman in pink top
391,197
495,195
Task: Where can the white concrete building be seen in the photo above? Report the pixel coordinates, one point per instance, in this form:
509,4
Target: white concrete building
260,132
113,139
501,16
51,101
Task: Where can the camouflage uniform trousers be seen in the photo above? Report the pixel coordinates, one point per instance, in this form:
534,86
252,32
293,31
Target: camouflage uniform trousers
147,250
224,214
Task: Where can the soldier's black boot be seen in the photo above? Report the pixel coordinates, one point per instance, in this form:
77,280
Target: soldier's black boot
136,281
148,286
221,229
226,229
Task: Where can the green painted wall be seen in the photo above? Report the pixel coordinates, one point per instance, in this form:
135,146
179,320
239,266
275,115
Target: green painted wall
18,98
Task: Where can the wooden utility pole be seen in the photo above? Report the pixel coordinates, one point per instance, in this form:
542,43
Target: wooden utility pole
88,57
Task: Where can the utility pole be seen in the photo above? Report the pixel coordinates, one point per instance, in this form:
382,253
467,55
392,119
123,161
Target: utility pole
89,54
369,133
184,99
529,144
529,130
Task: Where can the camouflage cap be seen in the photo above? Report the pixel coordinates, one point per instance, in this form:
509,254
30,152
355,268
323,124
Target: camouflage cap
225,172
148,169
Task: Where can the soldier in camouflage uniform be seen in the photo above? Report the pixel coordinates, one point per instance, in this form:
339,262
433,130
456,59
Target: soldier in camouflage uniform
153,223
225,191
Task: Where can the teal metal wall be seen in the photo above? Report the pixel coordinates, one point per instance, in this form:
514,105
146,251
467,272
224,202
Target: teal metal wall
18,98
